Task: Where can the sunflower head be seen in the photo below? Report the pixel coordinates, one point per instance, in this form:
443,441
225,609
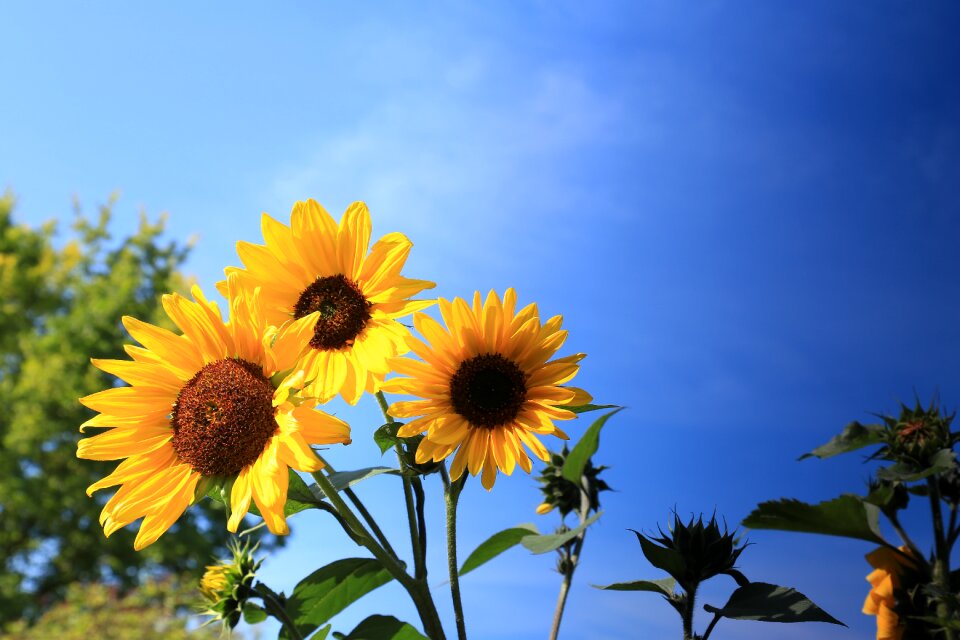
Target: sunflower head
915,436
560,493
228,584
887,593
326,270
694,551
212,403
488,385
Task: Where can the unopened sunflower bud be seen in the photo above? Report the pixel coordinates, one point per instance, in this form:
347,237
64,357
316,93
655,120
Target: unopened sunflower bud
692,552
917,434
227,585
560,493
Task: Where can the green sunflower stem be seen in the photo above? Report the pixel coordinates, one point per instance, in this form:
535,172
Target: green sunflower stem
572,559
417,589
941,565
364,512
415,520
452,497
275,608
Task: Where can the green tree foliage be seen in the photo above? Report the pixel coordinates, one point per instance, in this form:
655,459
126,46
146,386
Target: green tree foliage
158,610
60,304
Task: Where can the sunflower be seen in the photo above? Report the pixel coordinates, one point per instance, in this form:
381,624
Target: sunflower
885,582
205,406
317,265
488,385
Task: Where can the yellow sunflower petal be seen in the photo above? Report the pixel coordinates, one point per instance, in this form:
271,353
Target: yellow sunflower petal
353,238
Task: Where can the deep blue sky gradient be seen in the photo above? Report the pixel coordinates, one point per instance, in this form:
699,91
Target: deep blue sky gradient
746,212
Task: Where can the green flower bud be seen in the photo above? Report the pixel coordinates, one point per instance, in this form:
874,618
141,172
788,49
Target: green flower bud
693,552
560,493
228,584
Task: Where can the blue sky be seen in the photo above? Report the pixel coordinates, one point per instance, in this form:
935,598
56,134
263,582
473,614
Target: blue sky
746,212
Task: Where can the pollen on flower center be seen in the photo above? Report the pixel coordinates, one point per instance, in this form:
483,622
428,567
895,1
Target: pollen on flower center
488,390
223,417
344,311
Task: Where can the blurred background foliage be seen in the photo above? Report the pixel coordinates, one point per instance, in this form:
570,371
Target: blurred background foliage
61,300
157,610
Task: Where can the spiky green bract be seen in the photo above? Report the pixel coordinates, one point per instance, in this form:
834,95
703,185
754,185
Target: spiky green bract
914,438
227,585
694,552
560,493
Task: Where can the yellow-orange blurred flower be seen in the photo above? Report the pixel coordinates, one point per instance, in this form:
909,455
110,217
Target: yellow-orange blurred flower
884,582
317,265
202,406
487,384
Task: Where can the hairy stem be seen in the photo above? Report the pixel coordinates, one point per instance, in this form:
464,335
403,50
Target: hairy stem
418,590
688,609
713,623
561,603
364,513
452,496
905,537
418,533
275,608
572,558
941,566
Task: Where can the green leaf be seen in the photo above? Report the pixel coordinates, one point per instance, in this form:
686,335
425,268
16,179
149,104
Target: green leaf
664,586
771,603
386,436
584,408
662,558
343,479
321,633
495,545
253,614
584,449
854,436
329,590
941,461
540,543
848,516
379,627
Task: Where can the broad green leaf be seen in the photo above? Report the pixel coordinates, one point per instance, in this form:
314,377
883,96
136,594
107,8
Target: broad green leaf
664,586
253,614
854,436
386,436
848,516
495,545
771,603
343,479
662,558
942,461
543,543
584,449
584,408
321,633
379,627
329,590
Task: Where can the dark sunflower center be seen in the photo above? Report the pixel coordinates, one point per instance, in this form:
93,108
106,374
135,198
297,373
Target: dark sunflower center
488,390
223,417
344,311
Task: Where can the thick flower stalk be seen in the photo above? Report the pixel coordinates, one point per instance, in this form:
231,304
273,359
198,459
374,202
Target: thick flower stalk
211,405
